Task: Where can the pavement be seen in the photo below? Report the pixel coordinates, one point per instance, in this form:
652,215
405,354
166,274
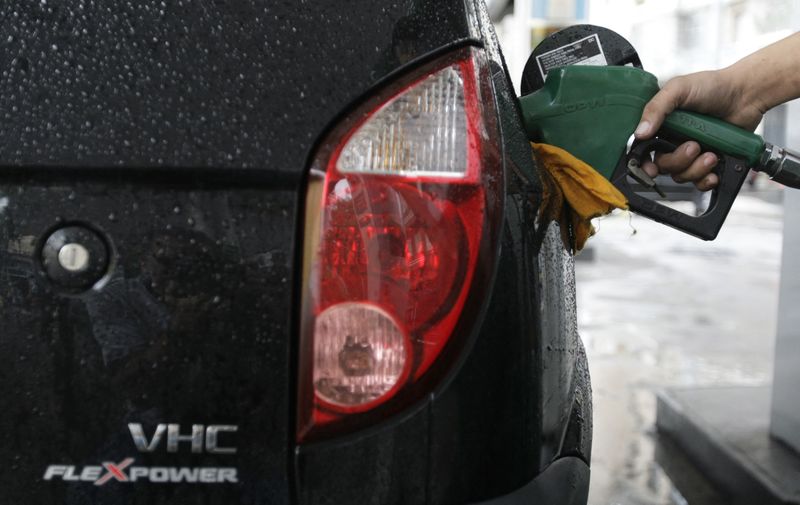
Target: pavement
658,308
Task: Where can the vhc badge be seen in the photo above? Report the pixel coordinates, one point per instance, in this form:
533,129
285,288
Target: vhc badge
202,438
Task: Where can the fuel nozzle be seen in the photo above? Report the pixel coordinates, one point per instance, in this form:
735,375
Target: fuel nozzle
782,165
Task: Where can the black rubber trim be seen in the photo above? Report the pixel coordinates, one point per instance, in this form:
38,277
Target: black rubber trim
565,482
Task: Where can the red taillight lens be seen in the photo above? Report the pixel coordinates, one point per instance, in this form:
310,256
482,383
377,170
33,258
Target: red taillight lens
399,213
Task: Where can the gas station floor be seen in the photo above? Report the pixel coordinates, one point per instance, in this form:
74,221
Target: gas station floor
661,309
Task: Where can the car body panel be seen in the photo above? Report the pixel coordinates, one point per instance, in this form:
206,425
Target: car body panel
182,132
566,479
191,327
197,84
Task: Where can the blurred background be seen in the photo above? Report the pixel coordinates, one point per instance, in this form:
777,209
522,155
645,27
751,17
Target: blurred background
659,310
672,37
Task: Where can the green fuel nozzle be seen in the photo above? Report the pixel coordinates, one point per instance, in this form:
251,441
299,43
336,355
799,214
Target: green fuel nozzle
592,111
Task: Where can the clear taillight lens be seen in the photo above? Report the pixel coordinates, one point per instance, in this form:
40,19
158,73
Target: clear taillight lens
401,217
360,355
420,132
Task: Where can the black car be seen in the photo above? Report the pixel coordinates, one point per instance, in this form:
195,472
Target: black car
263,252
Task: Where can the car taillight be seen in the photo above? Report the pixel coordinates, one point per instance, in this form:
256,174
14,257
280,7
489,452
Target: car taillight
402,213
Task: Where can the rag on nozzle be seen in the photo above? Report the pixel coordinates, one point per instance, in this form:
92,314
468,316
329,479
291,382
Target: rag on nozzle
574,194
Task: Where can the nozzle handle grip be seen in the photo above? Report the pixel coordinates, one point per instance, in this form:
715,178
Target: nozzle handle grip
732,174
714,135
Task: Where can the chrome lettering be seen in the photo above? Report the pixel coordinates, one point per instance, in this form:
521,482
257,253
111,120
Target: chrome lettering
212,442
195,438
141,441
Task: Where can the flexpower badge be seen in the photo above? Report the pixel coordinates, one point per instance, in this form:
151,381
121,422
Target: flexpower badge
201,439
124,472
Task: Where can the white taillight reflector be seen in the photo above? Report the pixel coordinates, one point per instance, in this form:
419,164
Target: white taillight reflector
360,355
420,132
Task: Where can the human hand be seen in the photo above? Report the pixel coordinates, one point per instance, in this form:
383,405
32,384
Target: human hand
716,93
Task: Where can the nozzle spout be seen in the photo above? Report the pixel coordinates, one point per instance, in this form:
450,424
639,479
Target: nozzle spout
782,166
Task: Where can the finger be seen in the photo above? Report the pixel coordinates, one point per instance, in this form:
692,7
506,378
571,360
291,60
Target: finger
710,181
680,159
698,170
650,169
664,102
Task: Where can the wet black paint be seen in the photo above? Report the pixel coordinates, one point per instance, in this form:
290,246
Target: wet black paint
196,83
194,323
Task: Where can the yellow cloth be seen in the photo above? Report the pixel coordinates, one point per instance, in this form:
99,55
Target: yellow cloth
587,193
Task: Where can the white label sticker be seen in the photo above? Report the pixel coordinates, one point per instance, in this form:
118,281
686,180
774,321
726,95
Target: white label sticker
586,51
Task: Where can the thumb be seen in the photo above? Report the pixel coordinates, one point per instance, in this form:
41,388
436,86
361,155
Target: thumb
664,102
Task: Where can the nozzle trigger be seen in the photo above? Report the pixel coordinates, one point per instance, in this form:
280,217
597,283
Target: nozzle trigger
706,225
636,171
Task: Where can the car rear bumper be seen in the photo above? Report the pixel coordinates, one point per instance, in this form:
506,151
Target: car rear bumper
566,482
